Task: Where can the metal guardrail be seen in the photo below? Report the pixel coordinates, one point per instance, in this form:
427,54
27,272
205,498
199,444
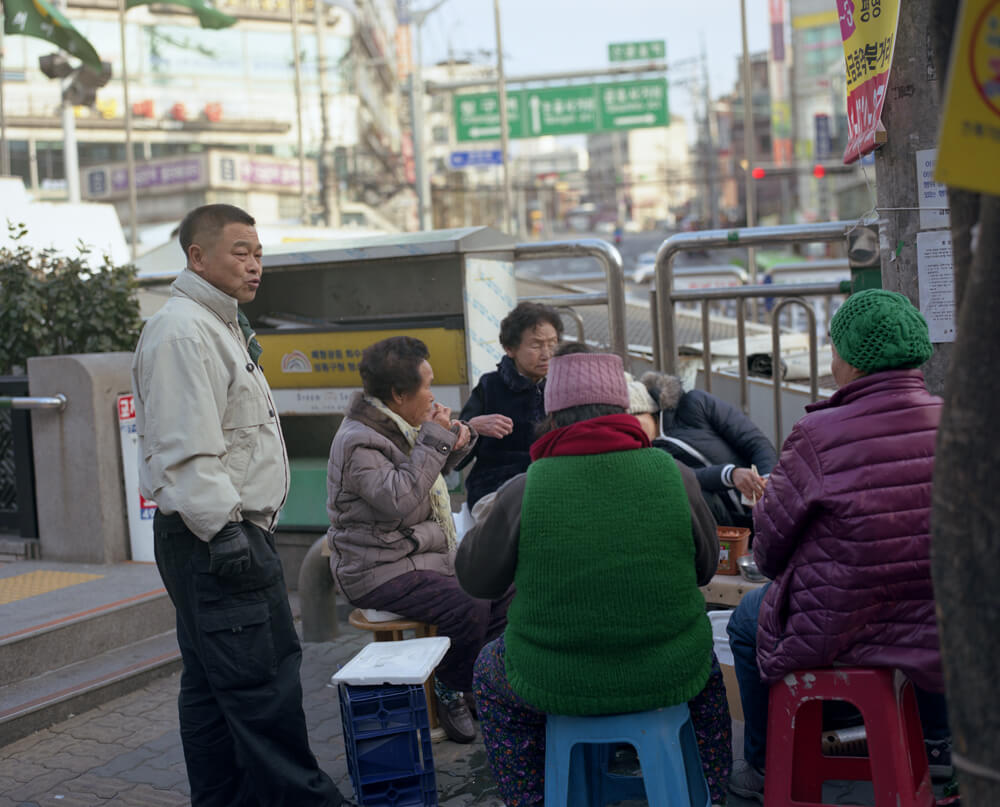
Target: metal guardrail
57,401
614,272
666,347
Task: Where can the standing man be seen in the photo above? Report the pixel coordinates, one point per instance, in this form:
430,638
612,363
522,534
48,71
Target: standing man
212,456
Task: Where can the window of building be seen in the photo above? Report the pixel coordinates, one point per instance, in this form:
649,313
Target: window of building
440,134
19,163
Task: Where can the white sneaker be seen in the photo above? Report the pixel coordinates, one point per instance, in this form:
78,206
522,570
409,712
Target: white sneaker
747,781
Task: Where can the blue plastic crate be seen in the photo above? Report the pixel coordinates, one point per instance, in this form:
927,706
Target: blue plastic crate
387,738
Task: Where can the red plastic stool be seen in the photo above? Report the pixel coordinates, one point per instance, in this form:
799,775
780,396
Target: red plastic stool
796,766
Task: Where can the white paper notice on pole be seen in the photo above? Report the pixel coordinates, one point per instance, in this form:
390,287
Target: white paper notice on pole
936,283
140,509
933,195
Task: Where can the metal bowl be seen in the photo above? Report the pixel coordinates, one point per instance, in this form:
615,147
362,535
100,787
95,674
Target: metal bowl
749,569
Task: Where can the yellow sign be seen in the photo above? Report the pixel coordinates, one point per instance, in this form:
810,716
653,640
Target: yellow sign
969,147
868,28
331,358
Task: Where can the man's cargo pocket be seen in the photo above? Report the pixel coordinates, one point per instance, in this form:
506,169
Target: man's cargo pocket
238,647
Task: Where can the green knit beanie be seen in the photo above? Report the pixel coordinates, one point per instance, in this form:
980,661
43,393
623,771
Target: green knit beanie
880,330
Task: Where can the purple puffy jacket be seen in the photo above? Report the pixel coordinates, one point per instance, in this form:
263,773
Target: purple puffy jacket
843,529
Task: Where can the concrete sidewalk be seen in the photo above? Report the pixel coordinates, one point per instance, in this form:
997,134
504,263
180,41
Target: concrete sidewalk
127,753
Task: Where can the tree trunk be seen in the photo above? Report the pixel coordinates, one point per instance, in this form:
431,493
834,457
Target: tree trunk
965,526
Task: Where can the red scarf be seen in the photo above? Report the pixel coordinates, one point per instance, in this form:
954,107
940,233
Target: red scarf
600,435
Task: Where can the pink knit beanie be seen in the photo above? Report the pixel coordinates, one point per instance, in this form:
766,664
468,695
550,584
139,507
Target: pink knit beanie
585,378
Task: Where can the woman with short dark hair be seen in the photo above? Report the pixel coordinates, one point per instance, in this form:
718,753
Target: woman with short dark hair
507,403
391,529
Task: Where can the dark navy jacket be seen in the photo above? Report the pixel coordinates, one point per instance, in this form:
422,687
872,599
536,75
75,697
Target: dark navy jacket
503,392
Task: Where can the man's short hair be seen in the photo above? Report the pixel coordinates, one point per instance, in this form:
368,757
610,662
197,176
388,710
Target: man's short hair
209,220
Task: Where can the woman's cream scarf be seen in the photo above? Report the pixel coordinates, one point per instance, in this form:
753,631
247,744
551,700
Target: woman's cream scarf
440,498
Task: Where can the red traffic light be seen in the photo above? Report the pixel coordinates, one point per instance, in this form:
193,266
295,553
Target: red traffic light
758,173
819,171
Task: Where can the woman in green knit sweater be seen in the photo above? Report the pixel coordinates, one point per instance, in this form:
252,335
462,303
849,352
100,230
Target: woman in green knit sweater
606,541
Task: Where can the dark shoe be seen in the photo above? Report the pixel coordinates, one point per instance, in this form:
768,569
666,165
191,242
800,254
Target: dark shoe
939,759
456,721
747,781
470,701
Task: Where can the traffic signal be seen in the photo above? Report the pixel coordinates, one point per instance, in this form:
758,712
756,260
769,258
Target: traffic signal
54,65
82,90
758,172
819,171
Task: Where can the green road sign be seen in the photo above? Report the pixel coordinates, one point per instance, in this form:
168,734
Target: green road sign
477,116
637,51
574,109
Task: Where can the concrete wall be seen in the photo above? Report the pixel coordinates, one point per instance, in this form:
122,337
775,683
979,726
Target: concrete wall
78,467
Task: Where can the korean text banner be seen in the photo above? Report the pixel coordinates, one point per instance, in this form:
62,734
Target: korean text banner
868,28
969,147
40,19
208,15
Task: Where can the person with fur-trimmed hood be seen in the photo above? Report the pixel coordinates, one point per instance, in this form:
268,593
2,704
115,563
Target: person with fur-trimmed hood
717,441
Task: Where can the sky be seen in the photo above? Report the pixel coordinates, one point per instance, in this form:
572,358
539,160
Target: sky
546,36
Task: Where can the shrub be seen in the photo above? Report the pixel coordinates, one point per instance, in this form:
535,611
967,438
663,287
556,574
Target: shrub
53,304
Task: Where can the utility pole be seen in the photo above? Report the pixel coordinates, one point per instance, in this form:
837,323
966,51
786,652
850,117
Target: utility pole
504,134
327,199
712,209
71,163
296,63
748,135
910,116
417,94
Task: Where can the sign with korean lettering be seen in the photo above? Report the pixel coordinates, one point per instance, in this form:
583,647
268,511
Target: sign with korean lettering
309,359
140,510
637,51
969,149
573,109
868,29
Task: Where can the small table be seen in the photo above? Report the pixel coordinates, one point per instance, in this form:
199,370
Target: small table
728,589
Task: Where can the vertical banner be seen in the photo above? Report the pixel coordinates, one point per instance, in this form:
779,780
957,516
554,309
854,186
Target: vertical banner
868,29
969,149
140,510
781,107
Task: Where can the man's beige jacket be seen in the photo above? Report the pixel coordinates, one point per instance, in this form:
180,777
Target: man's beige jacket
210,444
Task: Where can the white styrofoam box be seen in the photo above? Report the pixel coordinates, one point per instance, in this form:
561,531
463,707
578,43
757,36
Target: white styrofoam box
720,639
410,661
372,615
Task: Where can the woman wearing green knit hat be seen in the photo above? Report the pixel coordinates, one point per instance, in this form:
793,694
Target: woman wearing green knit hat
606,540
843,531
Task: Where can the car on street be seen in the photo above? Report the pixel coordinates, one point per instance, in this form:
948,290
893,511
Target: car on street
645,267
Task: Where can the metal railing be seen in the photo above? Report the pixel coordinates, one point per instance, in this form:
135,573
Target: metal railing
665,336
614,273
57,401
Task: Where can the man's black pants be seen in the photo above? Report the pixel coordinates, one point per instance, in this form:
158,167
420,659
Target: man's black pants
240,703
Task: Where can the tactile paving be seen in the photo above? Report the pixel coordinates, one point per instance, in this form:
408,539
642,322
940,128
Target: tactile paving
31,584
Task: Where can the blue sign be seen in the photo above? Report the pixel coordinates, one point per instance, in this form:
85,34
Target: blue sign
824,142
467,159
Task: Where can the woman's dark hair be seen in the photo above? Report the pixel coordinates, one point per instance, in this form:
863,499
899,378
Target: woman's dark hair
574,414
524,317
392,365
569,348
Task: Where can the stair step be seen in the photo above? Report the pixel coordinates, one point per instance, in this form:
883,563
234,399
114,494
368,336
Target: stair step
42,700
54,616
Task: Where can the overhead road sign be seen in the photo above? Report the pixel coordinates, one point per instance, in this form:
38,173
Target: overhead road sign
572,109
469,159
637,51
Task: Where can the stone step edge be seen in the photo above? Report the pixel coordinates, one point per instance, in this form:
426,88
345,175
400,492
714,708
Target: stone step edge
20,719
80,616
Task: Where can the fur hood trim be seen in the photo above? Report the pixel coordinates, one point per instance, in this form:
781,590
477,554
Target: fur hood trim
666,390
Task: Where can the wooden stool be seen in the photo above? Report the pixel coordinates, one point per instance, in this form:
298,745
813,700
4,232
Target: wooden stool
796,766
392,631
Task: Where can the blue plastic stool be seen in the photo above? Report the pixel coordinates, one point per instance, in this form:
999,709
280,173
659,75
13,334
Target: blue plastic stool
577,754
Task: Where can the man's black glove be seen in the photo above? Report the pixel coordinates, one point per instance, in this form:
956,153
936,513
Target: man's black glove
229,551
